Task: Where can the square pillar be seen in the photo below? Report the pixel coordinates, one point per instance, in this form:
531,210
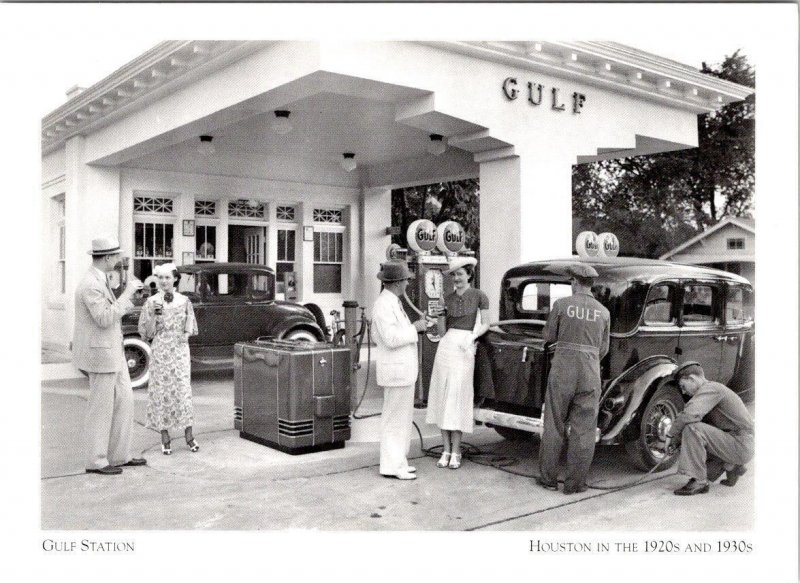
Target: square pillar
525,215
305,253
376,204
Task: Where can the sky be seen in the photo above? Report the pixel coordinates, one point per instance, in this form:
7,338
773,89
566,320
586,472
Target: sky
79,62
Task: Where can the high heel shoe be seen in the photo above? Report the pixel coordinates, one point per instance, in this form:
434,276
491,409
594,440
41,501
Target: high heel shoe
444,460
166,448
193,445
455,461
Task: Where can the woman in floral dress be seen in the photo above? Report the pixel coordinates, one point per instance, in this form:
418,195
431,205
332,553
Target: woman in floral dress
167,320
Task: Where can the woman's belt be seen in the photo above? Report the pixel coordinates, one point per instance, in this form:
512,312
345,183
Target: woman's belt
587,348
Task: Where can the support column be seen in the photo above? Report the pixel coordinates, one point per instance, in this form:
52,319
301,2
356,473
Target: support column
377,213
525,215
305,254
184,210
92,210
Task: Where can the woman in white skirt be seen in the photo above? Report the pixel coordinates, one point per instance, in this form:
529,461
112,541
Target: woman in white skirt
451,390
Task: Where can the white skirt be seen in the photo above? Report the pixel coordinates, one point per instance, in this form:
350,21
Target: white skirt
450,394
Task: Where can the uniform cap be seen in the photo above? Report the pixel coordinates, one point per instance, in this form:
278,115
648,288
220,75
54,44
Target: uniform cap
678,372
581,270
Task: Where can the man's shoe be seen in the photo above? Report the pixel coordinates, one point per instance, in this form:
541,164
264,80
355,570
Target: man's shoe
691,488
106,471
401,476
133,462
575,489
411,469
547,485
732,476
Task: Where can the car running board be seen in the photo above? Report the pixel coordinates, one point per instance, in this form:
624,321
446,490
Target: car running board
213,361
513,421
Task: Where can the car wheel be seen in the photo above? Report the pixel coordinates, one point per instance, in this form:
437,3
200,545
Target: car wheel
512,434
138,357
300,334
318,316
647,450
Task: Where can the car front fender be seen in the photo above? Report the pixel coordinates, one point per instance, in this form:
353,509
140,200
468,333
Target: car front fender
294,323
637,383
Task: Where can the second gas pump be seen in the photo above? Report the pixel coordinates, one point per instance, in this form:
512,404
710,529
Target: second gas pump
429,248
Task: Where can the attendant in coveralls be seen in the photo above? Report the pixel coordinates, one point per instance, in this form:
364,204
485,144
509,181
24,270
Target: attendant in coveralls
715,427
396,366
451,388
579,326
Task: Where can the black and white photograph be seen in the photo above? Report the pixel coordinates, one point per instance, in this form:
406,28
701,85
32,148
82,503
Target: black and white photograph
315,279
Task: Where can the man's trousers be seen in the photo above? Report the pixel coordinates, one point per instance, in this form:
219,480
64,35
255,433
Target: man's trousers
572,400
109,419
701,442
397,418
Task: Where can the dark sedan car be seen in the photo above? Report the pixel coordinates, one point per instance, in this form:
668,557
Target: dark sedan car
232,302
661,314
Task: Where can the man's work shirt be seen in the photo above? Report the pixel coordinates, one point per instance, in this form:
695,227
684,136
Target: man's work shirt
718,406
579,322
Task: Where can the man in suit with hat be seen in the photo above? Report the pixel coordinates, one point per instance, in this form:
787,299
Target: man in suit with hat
579,327
715,428
97,350
396,368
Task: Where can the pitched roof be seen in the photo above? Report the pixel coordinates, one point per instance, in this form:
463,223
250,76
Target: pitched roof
746,223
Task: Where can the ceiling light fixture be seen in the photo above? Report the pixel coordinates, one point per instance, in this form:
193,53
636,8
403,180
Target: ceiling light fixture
206,148
348,161
281,125
436,146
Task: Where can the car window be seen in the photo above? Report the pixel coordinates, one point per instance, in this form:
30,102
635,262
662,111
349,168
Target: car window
187,283
658,306
263,286
738,305
225,287
539,297
699,301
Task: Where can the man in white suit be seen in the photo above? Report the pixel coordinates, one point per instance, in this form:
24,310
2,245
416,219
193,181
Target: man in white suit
97,350
396,364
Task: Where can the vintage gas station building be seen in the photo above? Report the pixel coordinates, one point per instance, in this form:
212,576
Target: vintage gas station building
125,156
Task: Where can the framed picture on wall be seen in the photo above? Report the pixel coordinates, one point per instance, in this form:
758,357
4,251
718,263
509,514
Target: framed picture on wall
188,257
308,233
188,228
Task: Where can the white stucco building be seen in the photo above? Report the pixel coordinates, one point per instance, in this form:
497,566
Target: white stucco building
125,156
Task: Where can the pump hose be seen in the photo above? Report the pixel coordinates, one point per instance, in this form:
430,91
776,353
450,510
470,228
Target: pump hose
365,324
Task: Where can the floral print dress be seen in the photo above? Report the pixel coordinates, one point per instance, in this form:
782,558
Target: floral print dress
169,404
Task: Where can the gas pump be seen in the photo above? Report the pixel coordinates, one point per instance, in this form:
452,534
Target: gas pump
427,290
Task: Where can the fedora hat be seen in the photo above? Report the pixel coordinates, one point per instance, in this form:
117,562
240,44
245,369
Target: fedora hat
394,271
458,262
104,246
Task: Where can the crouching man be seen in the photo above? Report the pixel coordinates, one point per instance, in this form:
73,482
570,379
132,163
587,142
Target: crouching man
715,429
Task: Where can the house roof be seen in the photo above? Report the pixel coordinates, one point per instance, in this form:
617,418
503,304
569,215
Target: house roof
745,223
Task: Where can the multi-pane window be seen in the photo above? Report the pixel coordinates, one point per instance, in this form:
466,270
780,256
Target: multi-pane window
152,204
247,209
328,262
205,243
153,246
736,243
286,255
328,216
285,213
205,208
61,265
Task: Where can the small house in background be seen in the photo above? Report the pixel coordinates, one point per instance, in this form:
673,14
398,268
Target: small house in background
729,245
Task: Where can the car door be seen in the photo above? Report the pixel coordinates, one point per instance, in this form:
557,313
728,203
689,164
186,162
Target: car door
738,322
226,316
700,321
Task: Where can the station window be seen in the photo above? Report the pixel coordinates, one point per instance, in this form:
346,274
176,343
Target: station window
736,243
206,243
286,255
153,246
328,262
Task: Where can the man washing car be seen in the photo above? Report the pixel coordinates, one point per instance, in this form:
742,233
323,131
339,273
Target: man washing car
714,424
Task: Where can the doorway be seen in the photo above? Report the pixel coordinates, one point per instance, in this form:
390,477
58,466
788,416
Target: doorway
247,244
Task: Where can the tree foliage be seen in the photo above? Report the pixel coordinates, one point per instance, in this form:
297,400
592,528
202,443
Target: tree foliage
653,203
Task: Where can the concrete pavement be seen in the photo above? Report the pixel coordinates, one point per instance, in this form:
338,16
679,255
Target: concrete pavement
234,484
